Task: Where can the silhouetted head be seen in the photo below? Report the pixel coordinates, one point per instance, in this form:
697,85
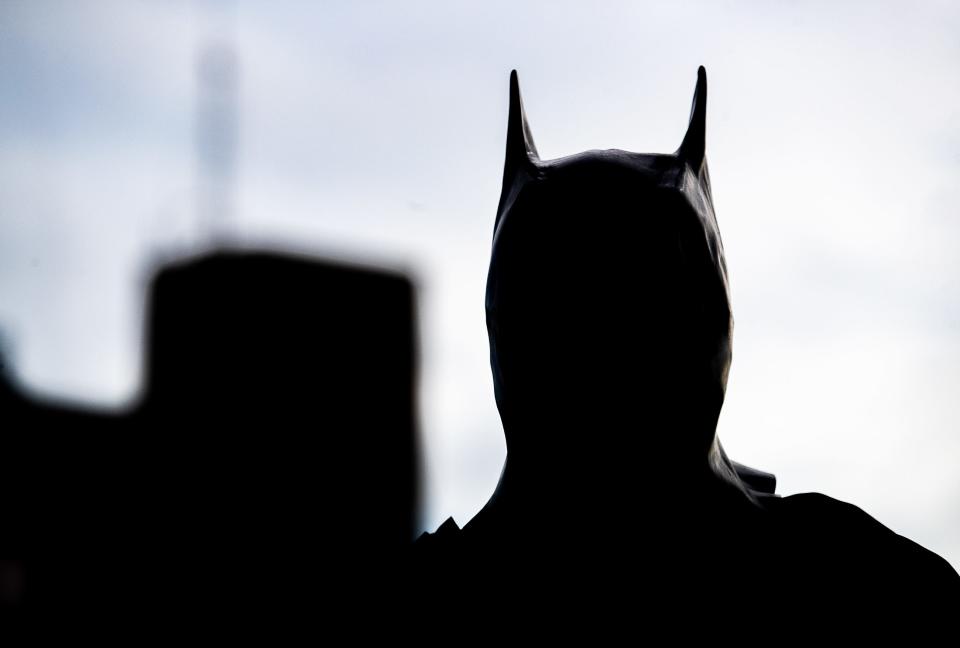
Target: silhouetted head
607,300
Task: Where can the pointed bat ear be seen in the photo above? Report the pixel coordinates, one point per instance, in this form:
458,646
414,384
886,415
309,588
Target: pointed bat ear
521,151
692,150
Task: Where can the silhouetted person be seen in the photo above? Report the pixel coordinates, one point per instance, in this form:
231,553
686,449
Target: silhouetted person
610,327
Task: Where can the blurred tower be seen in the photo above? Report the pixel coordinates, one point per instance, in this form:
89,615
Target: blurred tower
216,119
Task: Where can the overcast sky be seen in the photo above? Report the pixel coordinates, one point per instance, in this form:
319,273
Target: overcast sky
376,131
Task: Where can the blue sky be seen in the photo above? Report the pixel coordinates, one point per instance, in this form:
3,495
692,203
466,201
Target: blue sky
375,131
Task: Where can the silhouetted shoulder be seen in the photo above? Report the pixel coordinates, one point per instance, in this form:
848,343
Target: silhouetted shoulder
837,546
446,534
433,549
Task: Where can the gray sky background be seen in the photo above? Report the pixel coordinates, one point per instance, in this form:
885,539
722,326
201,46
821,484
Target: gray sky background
376,131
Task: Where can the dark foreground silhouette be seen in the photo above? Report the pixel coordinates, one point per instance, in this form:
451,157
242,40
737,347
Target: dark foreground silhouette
268,474
610,328
265,485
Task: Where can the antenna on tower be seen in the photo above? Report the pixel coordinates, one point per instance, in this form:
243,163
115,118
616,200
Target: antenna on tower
216,119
